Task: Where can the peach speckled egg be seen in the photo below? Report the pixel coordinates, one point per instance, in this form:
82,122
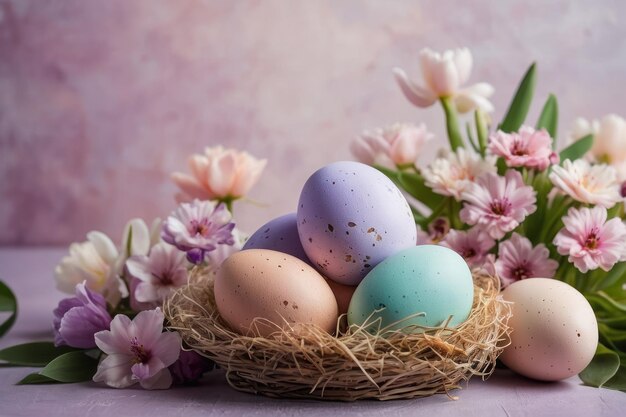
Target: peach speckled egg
274,286
555,333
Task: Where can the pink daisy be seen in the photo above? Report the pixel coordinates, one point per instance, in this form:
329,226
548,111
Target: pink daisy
587,183
472,245
518,259
498,204
590,241
528,148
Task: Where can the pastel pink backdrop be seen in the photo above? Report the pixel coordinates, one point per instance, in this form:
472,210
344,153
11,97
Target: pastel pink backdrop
101,100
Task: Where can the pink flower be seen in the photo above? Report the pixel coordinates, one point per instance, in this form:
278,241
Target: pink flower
518,259
498,204
473,245
528,148
159,273
219,174
423,238
443,75
198,228
77,319
590,241
137,351
589,184
451,173
400,144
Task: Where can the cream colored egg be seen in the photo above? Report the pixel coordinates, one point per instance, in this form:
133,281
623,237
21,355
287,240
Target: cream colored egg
555,333
273,286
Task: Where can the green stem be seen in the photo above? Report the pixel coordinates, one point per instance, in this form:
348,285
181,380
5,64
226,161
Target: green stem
481,131
452,123
228,202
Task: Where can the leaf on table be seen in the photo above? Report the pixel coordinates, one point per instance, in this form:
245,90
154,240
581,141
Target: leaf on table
71,367
602,368
577,149
36,378
33,354
549,117
518,109
8,304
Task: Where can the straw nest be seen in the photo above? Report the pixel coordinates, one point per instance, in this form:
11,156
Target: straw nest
360,362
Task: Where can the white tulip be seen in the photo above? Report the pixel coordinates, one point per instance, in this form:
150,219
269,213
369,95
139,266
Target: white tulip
443,76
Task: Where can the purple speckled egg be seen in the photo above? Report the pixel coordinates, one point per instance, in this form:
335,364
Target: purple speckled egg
281,235
351,217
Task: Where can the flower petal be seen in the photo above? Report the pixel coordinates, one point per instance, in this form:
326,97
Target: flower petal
416,95
147,327
103,245
168,347
115,371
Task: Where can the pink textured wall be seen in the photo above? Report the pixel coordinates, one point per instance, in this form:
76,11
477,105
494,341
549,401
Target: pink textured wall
101,100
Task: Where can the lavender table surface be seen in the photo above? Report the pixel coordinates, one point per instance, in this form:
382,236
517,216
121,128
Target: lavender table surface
29,273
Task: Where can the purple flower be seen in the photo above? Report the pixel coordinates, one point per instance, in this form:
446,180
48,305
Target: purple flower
77,319
159,274
137,351
198,228
189,367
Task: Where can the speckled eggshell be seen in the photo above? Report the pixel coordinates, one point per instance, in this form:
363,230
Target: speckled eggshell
279,234
350,218
425,279
555,333
275,286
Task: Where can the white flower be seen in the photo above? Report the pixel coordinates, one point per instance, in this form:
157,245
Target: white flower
137,239
451,173
609,142
100,263
91,261
590,184
443,75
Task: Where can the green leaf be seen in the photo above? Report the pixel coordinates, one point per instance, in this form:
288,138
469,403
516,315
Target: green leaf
71,367
8,303
577,149
549,117
602,368
36,378
414,184
618,272
618,382
390,173
518,109
33,354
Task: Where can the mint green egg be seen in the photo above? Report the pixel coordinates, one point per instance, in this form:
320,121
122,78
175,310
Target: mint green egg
425,279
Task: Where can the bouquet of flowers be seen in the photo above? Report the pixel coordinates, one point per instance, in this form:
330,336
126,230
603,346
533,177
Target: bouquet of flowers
508,202
112,329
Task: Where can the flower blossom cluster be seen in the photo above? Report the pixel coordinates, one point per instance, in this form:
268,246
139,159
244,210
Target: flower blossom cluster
139,273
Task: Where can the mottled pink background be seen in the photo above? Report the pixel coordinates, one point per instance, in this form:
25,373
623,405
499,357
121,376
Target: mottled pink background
101,100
